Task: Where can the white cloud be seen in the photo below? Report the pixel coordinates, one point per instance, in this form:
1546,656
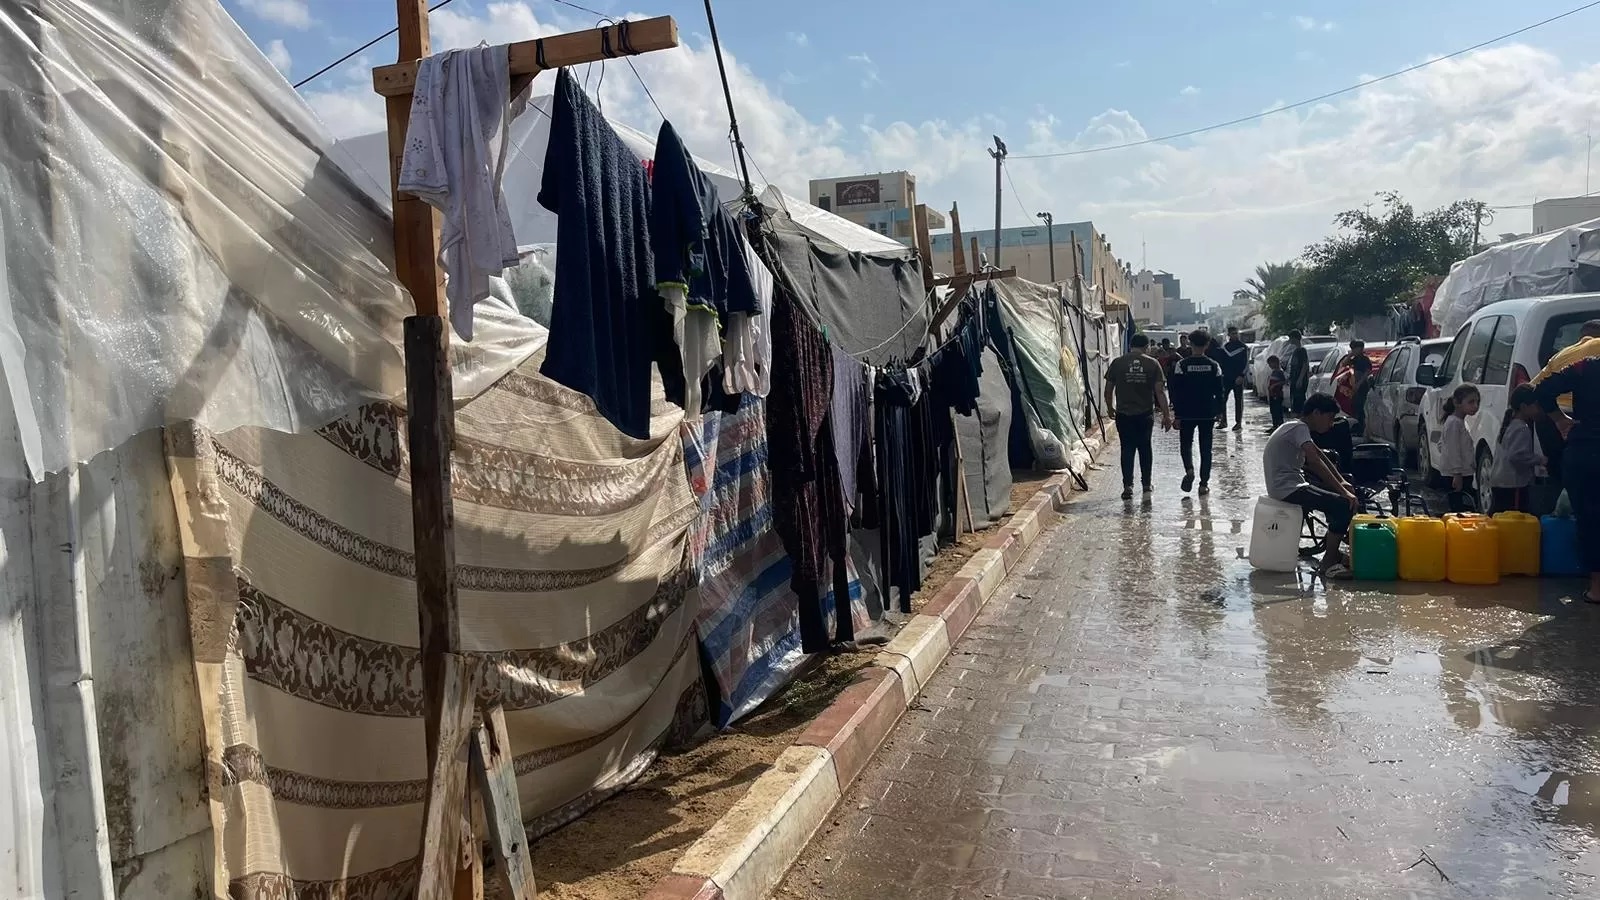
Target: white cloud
1189,90
799,39
288,13
1306,23
1501,125
869,69
279,55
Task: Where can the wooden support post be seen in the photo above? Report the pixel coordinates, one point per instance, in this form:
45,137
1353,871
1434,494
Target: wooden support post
919,224
429,395
962,494
958,253
977,256
571,49
445,809
493,767
451,859
1090,407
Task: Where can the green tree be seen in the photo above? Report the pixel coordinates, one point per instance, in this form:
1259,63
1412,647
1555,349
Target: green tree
1379,255
1285,305
1269,276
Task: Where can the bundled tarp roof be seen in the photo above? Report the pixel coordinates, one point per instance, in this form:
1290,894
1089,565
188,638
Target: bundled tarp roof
1565,261
1050,347
524,169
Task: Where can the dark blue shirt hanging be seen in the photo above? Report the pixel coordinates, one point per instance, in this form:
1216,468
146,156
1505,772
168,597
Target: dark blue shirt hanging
607,324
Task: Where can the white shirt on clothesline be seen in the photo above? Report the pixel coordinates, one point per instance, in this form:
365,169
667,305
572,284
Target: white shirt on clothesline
454,160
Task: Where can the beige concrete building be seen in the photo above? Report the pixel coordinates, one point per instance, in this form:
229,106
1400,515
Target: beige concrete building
1149,301
883,202
1559,212
1028,250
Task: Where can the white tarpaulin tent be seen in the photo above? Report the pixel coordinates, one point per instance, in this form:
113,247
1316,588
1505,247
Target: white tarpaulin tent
178,241
1566,261
524,169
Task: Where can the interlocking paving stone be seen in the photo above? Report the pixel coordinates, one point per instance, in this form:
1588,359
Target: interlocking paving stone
1136,714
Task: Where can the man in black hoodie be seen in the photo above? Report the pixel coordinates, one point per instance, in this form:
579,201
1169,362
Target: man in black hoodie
1197,395
1234,358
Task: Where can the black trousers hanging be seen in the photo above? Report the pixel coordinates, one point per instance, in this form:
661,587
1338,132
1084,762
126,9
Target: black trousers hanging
835,526
905,467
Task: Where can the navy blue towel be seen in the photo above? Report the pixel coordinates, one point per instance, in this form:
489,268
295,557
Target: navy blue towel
607,324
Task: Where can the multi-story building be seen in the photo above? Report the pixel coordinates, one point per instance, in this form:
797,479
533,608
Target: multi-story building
1028,250
1171,288
883,202
1559,212
1181,311
1149,301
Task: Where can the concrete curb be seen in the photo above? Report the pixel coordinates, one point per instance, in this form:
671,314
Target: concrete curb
749,850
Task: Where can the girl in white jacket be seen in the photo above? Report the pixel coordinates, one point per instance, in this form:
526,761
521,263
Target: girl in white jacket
1456,460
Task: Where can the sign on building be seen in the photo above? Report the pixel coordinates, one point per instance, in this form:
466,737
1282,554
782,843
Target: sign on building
857,193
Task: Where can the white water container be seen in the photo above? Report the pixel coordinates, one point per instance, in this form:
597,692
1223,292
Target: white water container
1275,535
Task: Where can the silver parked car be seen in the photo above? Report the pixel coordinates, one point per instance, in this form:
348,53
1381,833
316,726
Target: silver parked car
1394,404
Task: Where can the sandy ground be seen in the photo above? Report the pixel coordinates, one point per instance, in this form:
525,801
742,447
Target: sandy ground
627,844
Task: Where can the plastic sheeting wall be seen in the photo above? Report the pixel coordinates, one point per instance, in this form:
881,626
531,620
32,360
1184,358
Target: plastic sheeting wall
100,733
1039,337
190,251
983,438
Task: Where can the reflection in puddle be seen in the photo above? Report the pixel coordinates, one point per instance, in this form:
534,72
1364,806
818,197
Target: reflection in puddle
1571,799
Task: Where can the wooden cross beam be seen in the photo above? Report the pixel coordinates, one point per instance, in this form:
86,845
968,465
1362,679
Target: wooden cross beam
448,870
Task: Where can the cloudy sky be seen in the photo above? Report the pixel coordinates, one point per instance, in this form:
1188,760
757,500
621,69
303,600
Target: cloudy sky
836,87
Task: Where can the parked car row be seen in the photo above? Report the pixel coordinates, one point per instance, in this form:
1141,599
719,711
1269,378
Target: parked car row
1501,346
1394,405
1317,346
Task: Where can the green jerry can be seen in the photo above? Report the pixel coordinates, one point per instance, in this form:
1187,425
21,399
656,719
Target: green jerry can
1374,552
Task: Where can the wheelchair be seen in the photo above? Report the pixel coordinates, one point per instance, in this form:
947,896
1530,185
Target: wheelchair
1381,485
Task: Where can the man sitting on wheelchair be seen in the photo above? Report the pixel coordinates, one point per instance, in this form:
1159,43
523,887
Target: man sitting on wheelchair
1299,472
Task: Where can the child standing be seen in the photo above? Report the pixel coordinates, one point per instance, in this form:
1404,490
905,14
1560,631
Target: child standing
1277,383
1455,460
1517,455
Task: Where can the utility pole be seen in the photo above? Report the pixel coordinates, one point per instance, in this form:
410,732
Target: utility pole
1477,223
999,154
1050,236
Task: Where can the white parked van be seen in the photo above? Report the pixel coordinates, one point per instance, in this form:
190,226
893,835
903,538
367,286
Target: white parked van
1316,346
1502,346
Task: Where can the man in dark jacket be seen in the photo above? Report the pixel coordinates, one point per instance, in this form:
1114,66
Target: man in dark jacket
1197,395
1234,358
1299,371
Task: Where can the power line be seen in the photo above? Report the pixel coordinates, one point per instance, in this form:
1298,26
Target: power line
580,8
437,6
345,58
1017,196
1317,99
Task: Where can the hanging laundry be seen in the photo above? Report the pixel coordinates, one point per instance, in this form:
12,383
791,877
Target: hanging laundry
453,161
848,418
747,349
606,324
957,365
892,406
807,501
702,272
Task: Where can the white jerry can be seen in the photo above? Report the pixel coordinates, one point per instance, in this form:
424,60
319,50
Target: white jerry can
1275,535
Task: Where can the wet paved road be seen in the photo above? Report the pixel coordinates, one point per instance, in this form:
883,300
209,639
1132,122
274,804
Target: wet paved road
1136,714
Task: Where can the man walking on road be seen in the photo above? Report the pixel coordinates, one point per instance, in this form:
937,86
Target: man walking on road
1198,403
1234,358
1299,372
1135,389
